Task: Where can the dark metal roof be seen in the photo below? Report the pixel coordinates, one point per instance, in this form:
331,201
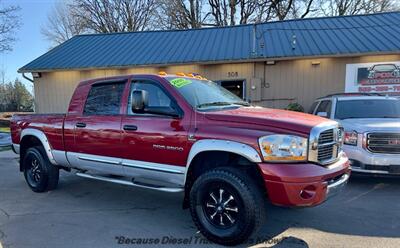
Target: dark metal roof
330,36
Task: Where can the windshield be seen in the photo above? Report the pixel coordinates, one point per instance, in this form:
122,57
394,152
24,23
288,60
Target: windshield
204,94
378,108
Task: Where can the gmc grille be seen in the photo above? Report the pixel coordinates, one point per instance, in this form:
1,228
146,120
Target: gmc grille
383,142
325,145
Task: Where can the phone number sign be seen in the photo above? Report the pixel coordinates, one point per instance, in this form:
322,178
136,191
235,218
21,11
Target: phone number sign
382,77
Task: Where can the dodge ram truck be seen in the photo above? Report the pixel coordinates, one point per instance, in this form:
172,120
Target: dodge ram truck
184,133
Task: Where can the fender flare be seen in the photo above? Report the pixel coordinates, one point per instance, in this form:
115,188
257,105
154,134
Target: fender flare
222,145
43,139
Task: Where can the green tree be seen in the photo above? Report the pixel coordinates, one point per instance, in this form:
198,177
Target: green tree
15,97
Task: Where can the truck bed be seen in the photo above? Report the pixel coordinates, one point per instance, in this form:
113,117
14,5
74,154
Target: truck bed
51,124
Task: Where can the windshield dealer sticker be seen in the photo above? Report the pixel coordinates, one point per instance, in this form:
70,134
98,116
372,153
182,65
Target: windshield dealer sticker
180,82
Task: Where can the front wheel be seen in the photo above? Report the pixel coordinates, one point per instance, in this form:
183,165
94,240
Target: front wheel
226,205
39,173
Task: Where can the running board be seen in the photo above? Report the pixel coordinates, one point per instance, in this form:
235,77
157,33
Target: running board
129,183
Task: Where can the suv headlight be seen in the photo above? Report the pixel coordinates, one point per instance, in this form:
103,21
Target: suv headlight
283,148
350,138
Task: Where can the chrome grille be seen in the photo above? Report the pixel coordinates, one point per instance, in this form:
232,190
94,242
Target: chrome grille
326,137
325,144
325,152
383,142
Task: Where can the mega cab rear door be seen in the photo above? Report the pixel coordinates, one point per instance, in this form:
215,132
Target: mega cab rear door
97,130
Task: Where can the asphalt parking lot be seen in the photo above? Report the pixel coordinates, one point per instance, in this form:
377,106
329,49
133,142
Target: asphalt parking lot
5,139
86,213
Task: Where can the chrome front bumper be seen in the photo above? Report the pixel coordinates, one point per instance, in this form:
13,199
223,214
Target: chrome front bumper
363,161
337,185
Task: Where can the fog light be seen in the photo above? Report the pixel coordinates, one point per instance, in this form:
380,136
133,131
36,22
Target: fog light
308,192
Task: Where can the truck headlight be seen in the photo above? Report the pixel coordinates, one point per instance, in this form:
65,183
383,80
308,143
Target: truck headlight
282,148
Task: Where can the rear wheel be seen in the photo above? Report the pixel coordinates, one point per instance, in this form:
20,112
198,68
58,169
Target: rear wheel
227,206
39,173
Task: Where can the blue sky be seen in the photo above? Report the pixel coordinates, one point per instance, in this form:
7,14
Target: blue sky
30,42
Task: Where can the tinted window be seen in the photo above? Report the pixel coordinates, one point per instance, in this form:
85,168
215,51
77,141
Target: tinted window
367,109
157,98
313,108
104,99
324,106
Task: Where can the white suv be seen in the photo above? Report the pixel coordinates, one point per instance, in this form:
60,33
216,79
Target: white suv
371,129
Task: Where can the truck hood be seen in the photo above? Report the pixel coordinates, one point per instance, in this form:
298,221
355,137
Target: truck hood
371,124
282,119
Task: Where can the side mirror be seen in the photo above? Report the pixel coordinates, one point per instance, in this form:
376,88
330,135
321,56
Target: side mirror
322,114
139,100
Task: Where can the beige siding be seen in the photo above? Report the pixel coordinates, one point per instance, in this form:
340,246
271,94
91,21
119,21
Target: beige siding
300,81
227,72
53,91
280,84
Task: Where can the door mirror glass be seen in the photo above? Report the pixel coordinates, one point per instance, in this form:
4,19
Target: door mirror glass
322,114
139,100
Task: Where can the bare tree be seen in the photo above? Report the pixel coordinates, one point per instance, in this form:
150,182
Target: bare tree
376,6
281,8
108,16
263,11
181,14
219,12
354,7
232,12
61,25
247,10
9,23
303,8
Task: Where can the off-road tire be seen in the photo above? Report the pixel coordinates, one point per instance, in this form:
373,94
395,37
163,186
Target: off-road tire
40,174
248,196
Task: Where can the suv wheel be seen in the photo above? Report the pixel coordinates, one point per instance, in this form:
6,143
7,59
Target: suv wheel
227,206
39,173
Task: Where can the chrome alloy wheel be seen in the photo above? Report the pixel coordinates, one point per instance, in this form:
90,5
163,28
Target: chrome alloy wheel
34,171
220,207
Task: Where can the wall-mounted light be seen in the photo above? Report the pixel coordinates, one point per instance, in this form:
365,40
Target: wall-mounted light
294,42
36,74
315,63
270,62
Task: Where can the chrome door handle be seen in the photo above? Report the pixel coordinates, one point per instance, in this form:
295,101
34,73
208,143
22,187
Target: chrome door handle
130,128
80,124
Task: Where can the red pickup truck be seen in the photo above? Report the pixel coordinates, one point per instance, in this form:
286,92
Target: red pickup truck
183,133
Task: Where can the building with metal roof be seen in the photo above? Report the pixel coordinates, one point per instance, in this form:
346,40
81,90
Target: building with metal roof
273,63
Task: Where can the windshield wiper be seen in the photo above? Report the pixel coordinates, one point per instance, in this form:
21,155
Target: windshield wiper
353,117
242,103
213,104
